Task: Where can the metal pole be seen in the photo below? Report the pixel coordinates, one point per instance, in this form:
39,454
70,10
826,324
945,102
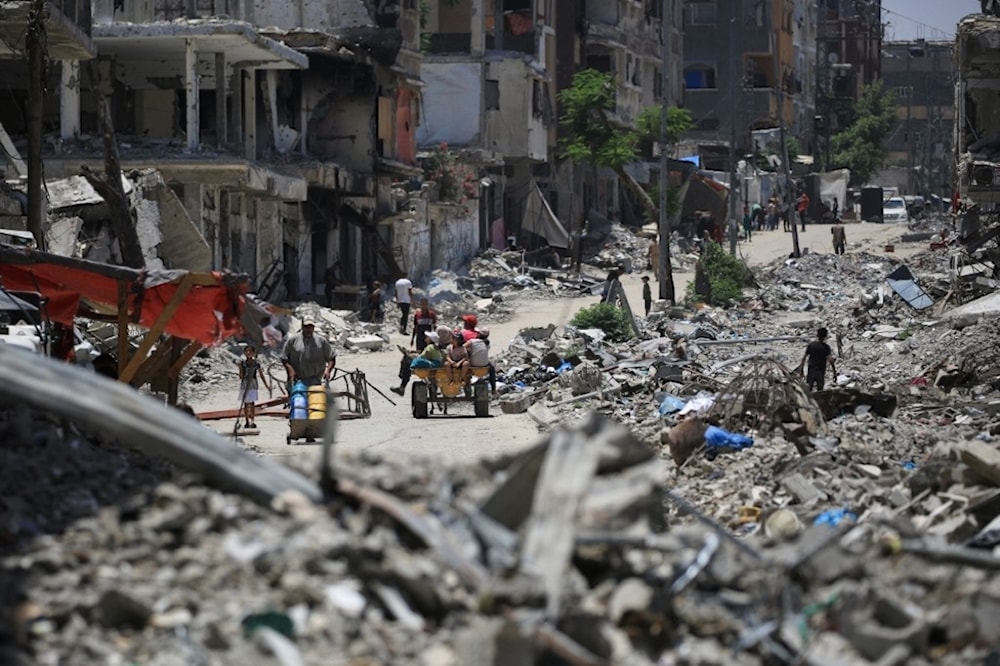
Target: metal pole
663,262
910,148
736,74
785,164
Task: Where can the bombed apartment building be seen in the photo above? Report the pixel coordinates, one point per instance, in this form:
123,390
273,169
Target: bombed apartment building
977,116
977,136
282,144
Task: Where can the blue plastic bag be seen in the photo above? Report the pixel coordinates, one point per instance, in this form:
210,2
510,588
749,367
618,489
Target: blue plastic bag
834,517
718,438
670,405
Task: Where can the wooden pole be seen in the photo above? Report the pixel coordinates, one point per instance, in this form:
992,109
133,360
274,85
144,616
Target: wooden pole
664,267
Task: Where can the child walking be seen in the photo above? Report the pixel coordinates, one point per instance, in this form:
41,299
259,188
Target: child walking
250,370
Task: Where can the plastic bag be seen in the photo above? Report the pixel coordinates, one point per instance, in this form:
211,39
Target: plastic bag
719,438
670,405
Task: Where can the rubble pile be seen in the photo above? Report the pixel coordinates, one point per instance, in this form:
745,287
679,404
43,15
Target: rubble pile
562,554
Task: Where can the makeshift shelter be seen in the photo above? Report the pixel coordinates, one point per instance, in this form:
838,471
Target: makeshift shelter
189,310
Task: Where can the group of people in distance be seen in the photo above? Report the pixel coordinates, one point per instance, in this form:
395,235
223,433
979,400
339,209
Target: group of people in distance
439,346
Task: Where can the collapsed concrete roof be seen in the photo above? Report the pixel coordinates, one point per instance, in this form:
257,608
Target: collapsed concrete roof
167,42
381,44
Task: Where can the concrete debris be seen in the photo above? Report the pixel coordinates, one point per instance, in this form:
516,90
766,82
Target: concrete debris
862,526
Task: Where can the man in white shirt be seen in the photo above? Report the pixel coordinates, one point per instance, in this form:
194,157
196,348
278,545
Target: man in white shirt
404,296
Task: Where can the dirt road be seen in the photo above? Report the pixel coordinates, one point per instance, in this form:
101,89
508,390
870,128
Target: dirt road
459,437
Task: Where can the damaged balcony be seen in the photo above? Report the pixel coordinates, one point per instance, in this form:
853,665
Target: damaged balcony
67,29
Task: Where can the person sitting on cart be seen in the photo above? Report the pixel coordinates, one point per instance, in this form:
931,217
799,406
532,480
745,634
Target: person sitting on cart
424,321
431,356
456,360
479,355
250,369
468,330
308,357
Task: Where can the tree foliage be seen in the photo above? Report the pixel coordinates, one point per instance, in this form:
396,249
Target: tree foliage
593,138
679,123
861,147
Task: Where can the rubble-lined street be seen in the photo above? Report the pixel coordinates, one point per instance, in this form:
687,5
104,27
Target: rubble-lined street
849,526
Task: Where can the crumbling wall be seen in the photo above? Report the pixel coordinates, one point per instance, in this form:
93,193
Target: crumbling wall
412,235
452,103
340,103
512,128
320,15
454,235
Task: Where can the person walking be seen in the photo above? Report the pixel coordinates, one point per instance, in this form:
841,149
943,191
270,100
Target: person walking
308,357
819,355
747,224
375,303
802,206
839,238
772,214
424,321
647,294
404,297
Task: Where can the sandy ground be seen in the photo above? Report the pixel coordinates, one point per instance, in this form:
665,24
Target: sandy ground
459,437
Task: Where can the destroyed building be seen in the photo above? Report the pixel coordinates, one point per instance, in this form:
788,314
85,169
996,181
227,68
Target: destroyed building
282,143
493,70
977,141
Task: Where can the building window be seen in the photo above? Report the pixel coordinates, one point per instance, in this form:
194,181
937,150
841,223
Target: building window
600,62
492,95
699,77
904,92
657,83
701,11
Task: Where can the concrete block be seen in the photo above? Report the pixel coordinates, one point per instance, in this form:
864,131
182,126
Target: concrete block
516,403
874,632
542,415
373,342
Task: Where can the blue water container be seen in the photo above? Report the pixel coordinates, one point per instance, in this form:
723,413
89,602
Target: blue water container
299,402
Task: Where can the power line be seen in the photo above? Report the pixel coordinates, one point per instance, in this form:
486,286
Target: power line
920,23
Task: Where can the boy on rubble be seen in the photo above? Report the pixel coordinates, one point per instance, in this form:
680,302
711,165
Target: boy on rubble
819,356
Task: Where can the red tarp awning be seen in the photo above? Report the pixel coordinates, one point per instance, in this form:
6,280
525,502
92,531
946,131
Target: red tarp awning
208,313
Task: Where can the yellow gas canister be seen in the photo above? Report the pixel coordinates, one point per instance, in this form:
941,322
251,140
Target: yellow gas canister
317,402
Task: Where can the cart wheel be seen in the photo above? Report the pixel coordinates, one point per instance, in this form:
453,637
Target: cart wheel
419,400
481,396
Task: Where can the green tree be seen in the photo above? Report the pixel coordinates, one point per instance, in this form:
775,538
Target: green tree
861,146
595,139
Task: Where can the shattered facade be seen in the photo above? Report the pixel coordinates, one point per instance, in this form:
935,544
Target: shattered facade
281,142
977,120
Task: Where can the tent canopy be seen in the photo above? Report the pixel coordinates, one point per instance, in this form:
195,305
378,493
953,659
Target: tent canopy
203,307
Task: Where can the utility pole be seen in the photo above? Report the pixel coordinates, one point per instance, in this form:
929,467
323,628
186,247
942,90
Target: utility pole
910,149
35,44
779,91
663,268
735,77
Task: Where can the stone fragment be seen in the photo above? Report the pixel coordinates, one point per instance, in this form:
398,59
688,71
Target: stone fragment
801,489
